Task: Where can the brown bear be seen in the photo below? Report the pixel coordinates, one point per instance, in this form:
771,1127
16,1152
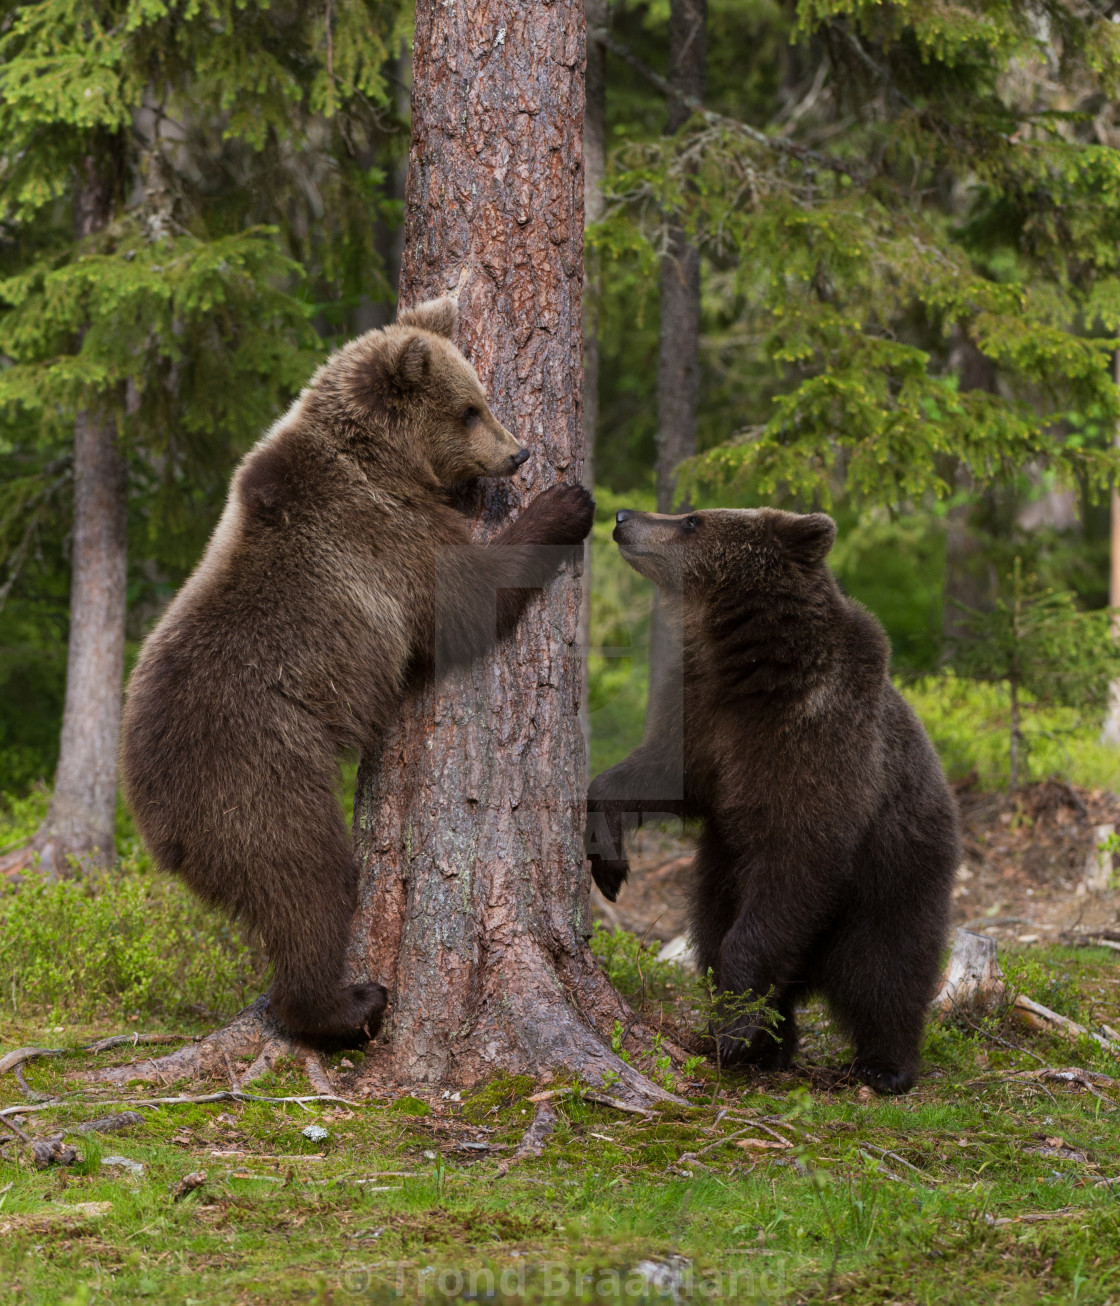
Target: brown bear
338,576
830,838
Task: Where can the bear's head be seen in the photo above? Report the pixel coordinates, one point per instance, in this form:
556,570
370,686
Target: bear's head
746,549
409,383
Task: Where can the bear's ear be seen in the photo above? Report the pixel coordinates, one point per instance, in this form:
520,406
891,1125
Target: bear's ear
265,480
440,316
408,366
807,539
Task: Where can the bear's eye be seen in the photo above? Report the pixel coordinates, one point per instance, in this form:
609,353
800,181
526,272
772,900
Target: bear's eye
471,416
689,524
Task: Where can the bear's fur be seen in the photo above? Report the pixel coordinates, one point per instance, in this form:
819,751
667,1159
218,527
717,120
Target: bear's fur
830,835
338,576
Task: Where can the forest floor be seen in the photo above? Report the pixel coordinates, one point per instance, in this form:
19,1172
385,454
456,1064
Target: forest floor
1023,879
996,1179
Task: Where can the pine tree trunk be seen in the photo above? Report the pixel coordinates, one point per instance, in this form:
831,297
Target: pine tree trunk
1013,759
83,805
678,366
969,579
474,903
82,813
678,356
1111,732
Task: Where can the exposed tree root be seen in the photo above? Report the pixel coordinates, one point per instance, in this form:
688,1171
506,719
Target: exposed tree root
251,1036
48,854
533,1140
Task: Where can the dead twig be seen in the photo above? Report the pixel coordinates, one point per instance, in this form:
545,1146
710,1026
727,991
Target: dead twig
894,1156
881,1167
23,1138
1031,1217
134,1040
225,1095
777,144
1072,1075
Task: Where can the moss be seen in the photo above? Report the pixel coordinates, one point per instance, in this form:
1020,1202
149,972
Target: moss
411,1106
499,1093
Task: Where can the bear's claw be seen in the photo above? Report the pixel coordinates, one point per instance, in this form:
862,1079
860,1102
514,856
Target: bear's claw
609,876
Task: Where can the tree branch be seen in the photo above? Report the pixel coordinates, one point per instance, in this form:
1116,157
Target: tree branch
783,145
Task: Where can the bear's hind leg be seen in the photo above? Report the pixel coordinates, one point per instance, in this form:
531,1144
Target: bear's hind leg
307,943
300,898
879,988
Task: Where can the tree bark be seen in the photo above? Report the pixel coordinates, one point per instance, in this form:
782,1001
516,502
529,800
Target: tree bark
474,908
973,982
82,813
83,805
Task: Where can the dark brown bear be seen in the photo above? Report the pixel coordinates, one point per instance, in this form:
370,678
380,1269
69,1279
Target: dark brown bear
338,575
830,836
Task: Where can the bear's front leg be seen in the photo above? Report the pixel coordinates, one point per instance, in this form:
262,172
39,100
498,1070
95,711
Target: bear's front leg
643,784
764,953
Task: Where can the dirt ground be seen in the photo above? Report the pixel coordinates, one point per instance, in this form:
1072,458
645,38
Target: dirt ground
1033,870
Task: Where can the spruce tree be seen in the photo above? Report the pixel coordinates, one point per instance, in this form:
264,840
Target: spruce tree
1035,640
904,178
180,182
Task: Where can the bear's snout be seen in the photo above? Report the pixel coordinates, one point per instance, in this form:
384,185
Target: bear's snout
620,534
521,456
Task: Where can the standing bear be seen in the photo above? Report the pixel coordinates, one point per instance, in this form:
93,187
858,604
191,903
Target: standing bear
830,837
338,576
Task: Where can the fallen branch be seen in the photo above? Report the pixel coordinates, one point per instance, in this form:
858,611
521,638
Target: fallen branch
24,1138
588,1095
881,1166
226,1095
134,1040
974,983
1070,1075
1036,1016
1032,1217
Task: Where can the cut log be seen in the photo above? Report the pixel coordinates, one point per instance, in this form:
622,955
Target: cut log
973,983
1035,1016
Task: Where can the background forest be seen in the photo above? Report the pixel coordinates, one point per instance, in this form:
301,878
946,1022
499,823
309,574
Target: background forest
898,234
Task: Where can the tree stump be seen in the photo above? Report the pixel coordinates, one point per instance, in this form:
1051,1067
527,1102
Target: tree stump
973,983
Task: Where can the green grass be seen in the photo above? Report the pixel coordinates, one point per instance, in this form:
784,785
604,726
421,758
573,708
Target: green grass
818,1219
